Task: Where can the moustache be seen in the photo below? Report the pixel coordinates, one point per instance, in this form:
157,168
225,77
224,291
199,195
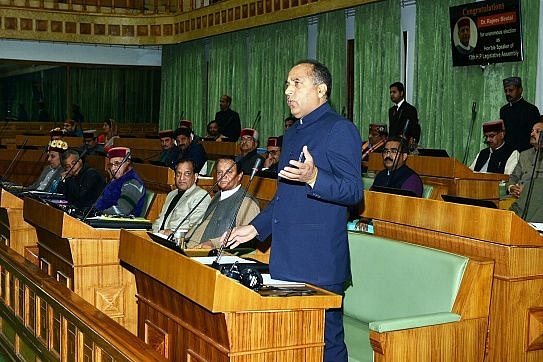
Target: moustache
389,159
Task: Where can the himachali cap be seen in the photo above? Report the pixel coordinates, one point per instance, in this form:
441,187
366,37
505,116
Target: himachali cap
494,126
463,22
56,132
57,145
379,128
185,123
249,132
167,133
514,81
91,133
274,142
118,152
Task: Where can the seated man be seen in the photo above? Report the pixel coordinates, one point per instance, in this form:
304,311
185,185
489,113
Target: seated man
213,133
189,148
222,210
498,157
125,194
188,197
522,173
397,174
248,144
269,169
80,184
90,143
70,129
168,154
52,173
377,137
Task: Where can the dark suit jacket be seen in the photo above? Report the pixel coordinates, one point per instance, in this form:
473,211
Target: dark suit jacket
397,121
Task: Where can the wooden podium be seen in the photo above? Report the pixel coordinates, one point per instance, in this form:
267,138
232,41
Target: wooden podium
516,306
16,233
191,312
84,259
448,171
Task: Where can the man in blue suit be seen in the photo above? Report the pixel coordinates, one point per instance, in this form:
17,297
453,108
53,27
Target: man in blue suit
319,178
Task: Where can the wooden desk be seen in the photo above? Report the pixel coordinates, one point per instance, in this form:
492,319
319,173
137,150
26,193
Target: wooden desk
450,172
516,306
84,259
216,149
22,166
41,142
16,233
191,312
143,148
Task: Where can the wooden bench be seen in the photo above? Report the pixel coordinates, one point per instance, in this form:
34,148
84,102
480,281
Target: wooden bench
412,303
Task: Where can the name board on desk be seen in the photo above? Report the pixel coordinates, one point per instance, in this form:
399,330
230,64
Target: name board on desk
486,32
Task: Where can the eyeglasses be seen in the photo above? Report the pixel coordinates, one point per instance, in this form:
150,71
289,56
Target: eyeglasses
248,139
116,164
391,151
69,165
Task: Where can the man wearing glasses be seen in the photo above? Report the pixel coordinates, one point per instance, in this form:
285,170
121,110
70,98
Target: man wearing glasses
499,156
80,184
125,194
248,144
397,174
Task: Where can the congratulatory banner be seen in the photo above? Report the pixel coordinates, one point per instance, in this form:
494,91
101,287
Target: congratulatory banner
486,32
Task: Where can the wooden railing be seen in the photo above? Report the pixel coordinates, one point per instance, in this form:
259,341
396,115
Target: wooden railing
43,320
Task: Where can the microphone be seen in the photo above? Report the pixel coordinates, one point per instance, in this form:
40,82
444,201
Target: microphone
72,166
216,263
468,142
15,159
27,180
405,127
257,120
256,168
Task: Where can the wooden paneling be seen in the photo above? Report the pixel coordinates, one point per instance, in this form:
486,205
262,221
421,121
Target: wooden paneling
42,320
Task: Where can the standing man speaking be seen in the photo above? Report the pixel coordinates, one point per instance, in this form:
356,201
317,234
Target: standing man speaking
319,178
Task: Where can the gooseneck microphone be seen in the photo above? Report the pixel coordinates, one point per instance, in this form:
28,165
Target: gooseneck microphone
470,132
256,167
257,120
7,173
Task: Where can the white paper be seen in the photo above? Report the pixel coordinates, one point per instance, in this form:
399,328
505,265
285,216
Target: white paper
268,280
537,225
225,259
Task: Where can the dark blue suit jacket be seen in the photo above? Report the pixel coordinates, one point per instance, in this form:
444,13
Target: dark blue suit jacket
309,224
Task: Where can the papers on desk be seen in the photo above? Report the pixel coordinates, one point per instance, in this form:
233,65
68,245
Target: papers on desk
269,281
225,259
537,225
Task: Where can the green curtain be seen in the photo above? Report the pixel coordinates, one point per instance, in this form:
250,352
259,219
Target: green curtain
228,74
332,51
444,94
272,51
377,61
182,92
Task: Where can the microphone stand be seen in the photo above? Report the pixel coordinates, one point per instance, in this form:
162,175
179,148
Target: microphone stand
531,185
470,132
125,159
216,262
37,161
257,120
12,163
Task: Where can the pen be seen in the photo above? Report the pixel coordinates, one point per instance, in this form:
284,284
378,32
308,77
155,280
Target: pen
301,158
